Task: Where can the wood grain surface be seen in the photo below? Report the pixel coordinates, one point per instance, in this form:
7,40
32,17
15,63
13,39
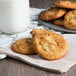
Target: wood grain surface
13,67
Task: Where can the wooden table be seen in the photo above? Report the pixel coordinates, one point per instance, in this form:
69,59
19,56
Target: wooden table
13,67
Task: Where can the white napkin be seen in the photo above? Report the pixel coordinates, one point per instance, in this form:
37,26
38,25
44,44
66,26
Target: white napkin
61,65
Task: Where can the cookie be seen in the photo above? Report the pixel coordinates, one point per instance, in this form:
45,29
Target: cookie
51,14
70,20
23,46
66,4
59,22
38,31
49,45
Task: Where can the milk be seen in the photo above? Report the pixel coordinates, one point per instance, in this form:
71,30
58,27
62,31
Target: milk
14,16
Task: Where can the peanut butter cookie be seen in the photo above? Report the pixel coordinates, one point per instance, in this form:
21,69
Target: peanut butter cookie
70,20
66,4
51,14
49,45
23,46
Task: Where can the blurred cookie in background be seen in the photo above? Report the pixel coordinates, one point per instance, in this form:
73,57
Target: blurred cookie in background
59,22
66,4
70,20
52,13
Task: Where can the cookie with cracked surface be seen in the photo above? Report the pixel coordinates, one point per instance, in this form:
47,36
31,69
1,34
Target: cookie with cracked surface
51,13
23,46
70,20
38,31
49,45
66,4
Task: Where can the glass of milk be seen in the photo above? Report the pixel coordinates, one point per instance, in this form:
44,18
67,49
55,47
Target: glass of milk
14,16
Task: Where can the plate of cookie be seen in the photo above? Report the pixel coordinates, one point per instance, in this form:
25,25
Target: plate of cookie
44,43
61,17
45,49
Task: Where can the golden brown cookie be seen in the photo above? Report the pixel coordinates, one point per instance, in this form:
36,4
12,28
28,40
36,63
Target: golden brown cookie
38,31
49,45
23,46
51,14
70,20
66,4
59,22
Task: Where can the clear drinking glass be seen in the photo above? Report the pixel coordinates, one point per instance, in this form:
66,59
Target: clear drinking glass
14,16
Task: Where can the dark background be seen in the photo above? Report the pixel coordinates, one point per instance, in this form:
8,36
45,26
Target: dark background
41,3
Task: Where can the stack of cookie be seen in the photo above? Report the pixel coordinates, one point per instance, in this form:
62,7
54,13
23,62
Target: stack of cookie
64,14
46,44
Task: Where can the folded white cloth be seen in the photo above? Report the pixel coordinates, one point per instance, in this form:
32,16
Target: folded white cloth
62,65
